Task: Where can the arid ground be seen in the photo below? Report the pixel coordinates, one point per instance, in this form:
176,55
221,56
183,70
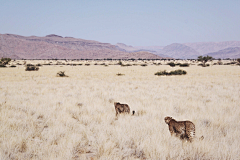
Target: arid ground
43,116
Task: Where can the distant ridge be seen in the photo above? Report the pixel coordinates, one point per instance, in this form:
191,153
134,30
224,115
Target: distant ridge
53,46
231,52
227,49
57,47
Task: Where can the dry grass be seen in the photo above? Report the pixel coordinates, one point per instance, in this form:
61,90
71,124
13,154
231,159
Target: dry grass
47,117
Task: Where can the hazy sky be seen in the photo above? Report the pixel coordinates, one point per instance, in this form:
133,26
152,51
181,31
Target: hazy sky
133,22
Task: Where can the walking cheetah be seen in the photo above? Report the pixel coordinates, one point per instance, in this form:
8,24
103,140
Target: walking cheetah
181,129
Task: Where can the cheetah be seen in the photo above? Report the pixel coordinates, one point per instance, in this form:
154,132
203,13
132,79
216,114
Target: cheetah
121,108
185,130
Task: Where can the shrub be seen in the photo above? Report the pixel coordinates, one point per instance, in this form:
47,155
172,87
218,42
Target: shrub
176,72
87,64
61,74
38,65
172,64
238,60
204,60
184,65
230,63
5,61
2,65
30,67
157,64
234,62
13,66
120,63
143,65
161,73
126,65
220,63
203,65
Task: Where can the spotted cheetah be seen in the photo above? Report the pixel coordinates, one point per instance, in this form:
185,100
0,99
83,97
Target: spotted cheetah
182,129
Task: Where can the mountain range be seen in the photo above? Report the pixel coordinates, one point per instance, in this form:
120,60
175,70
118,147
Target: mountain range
223,50
57,47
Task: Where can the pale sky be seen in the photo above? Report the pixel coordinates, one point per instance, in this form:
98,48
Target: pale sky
133,22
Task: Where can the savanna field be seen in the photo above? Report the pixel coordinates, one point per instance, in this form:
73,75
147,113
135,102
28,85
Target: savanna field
44,116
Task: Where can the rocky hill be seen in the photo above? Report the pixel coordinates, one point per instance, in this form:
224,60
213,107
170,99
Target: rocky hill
179,51
58,47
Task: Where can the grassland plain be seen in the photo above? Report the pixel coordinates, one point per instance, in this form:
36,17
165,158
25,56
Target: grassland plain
47,117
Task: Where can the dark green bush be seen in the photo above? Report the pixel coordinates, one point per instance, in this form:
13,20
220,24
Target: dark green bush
230,63
184,65
203,65
161,73
143,65
5,61
38,65
30,67
176,72
234,62
87,64
13,66
172,64
157,64
2,66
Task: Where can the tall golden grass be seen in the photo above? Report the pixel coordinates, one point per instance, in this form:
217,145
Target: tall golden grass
43,116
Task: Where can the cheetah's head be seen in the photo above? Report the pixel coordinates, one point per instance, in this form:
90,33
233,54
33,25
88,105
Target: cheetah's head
167,119
115,103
